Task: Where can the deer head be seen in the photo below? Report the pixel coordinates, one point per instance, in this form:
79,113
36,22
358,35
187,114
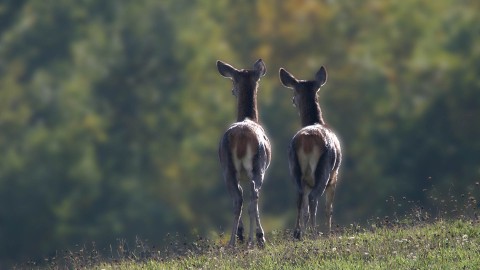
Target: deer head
245,82
305,95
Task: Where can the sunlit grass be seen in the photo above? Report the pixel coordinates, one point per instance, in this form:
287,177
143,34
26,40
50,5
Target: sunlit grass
441,245
446,236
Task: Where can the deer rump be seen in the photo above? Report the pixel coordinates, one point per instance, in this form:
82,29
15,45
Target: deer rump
245,143
314,156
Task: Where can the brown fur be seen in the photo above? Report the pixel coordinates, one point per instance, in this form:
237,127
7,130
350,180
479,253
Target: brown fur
241,139
309,114
247,99
307,141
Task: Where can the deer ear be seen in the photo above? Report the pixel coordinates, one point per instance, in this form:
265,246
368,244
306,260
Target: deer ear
225,69
287,79
321,76
260,68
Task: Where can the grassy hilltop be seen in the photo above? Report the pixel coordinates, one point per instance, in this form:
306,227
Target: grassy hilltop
441,244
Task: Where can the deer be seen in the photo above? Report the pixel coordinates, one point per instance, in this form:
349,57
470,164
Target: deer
314,153
244,149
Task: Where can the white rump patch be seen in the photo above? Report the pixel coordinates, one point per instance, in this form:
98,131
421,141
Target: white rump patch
244,166
308,164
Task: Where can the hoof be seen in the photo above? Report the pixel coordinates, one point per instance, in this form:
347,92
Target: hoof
297,234
260,240
240,235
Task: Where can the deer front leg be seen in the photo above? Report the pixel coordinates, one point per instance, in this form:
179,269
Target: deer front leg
305,209
329,196
313,203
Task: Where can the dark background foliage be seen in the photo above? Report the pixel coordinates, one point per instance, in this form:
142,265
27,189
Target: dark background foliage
111,111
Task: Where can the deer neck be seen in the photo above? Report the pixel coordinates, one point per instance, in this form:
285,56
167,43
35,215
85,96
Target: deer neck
311,114
247,105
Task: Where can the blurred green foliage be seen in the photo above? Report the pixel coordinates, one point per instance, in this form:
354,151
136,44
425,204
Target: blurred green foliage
111,111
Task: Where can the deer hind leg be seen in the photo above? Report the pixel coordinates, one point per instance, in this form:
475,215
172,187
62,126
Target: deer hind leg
255,216
296,173
302,213
240,231
251,211
236,193
297,233
322,181
259,233
259,166
256,185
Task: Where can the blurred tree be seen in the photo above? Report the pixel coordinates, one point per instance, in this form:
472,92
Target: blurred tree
111,112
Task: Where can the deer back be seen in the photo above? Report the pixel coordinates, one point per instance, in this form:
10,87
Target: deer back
245,144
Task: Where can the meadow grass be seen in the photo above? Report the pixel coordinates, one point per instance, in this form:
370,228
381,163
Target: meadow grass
443,237
451,244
